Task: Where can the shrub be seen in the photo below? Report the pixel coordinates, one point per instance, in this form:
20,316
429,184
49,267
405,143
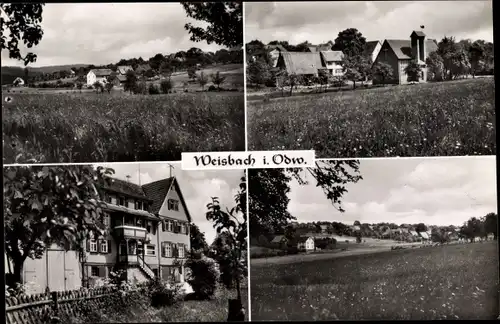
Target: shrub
163,294
203,276
212,88
153,90
166,86
140,88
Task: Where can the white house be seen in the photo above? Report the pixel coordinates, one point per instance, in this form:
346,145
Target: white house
332,60
18,82
306,244
100,75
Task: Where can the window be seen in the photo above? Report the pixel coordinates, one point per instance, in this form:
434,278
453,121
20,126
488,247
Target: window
173,204
338,71
176,227
139,248
167,250
113,200
106,220
94,271
180,247
131,204
107,198
93,246
150,249
149,226
139,205
183,228
104,246
122,201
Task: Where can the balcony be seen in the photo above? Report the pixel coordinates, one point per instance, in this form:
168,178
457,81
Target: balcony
130,232
130,258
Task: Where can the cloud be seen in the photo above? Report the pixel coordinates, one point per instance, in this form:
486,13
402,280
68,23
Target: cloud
319,22
430,190
198,187
103,33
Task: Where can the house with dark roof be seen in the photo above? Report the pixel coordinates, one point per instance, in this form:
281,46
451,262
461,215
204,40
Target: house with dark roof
300,63
142,68
372,48
332,61
146,234
98,75
305,243
398,53
275,52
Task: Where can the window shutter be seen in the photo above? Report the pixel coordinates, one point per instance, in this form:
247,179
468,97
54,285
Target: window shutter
163,226
109,246
88,245
98,246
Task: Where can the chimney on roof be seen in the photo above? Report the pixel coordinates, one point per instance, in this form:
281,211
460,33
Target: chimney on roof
418,45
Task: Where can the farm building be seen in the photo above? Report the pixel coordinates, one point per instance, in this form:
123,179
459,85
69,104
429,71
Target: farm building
143,68
275,52
305,243
18,82
123,69
279,239
300,63
372,49
98,75
332,60
399,53
147,232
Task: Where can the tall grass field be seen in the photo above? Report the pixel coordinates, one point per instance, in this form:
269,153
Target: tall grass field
90,127
446,282
432,119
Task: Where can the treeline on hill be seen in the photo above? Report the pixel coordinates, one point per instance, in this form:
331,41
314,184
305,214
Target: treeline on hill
452,60
176,62
470,230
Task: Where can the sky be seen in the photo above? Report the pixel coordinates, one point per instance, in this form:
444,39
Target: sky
104,33
433,191
319,22
197,187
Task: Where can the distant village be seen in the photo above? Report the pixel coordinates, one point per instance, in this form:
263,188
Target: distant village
150,70
307,237
311,62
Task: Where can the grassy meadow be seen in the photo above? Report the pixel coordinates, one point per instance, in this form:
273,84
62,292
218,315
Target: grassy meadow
447,282
432,119
89,127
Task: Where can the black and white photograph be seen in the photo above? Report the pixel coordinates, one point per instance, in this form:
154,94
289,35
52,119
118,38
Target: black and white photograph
354,79
121,82
124,243
375,239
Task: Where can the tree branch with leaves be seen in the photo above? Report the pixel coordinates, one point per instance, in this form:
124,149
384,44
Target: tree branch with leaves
45,205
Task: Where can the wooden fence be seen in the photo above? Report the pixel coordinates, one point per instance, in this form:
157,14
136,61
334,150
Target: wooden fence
40,308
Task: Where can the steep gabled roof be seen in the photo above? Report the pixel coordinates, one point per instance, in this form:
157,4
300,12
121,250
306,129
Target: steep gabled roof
278,239
402,48
157,191
301,62
332,56
125,188
418,33
102,72
123,69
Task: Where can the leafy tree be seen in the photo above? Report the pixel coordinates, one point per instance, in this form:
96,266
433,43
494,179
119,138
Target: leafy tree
420,227
351,67
167,86
218,79
21,21
235,232
130,81
204,276
191,73
225,22
202,80
293,80
109,86
351,42
197,239
99,87
79,85
257,73
153,89
49,204
435,66
491,224
269,188
323,78
413,70
357,223
476,55
383,72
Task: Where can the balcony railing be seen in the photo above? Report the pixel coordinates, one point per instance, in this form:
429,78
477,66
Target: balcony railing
132,232
130,258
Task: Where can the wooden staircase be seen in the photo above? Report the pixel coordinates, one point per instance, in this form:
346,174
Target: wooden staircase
144,267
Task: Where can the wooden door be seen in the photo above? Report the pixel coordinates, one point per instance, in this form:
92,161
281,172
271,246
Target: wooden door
56,270
72,271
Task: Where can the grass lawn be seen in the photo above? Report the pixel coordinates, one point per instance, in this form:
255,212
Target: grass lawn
447,282
89,127
432,119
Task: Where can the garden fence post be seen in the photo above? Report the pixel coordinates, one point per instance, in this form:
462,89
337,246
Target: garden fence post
55,303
